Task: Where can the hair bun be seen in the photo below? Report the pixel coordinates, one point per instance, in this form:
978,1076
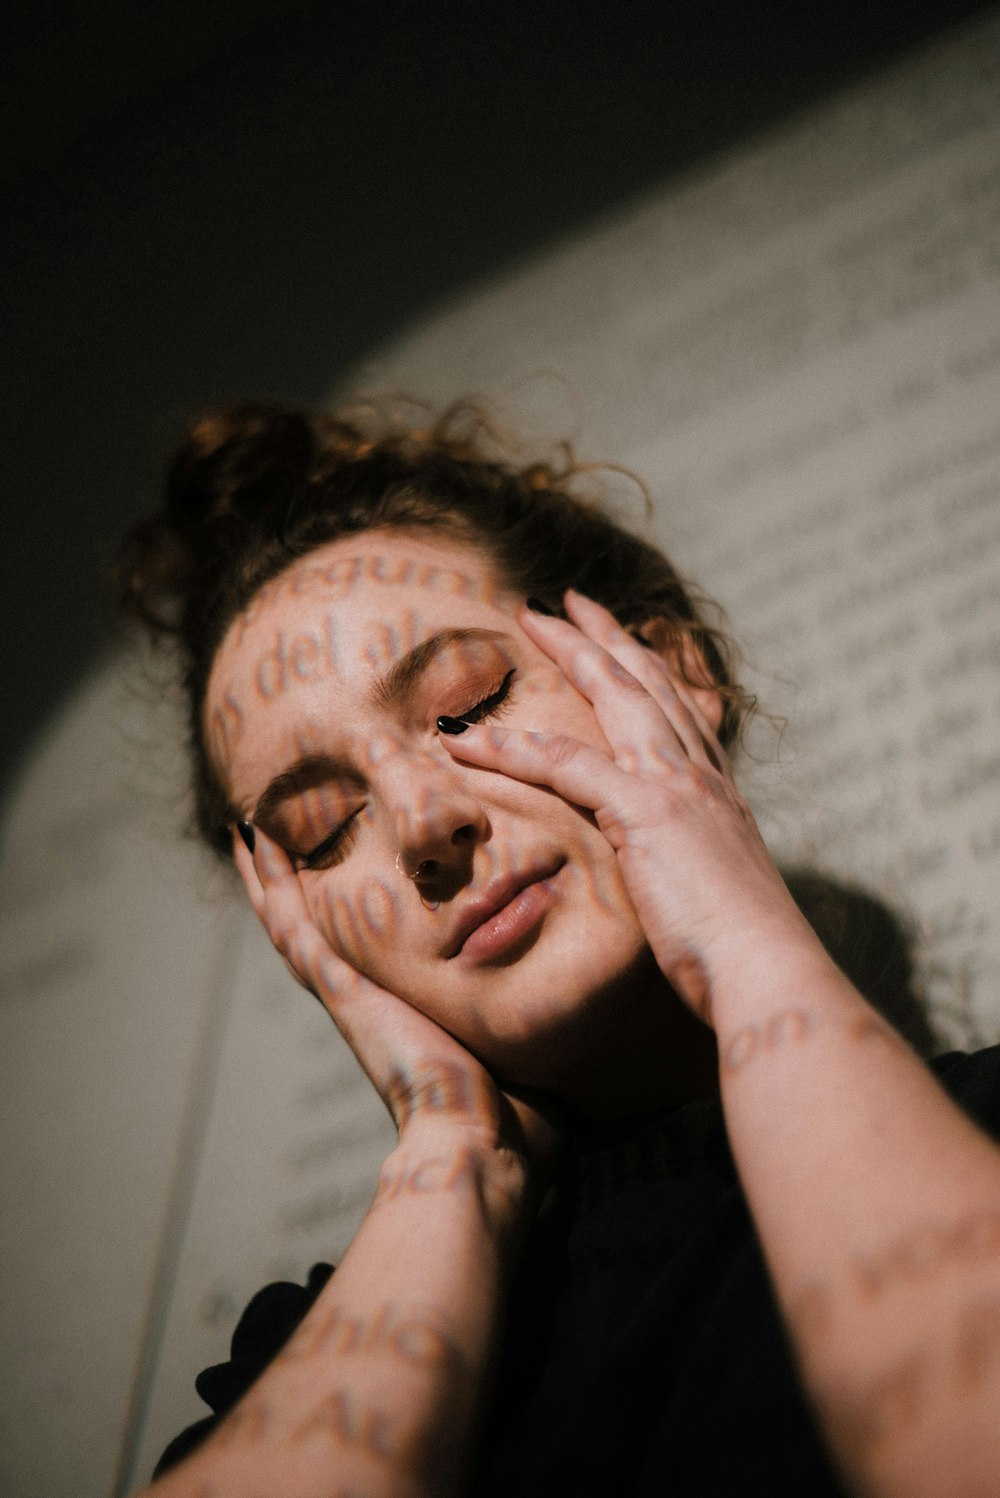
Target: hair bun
239,463
239,469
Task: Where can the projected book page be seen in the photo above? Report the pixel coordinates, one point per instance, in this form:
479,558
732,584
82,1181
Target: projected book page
801,353
799,350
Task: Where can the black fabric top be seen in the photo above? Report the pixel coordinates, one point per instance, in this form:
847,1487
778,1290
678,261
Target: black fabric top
644,1353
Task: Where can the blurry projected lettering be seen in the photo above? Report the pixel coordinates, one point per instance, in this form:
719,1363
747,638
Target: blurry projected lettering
800,352
806,370
389,833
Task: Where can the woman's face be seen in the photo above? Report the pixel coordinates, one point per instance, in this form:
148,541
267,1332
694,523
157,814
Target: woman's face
494,907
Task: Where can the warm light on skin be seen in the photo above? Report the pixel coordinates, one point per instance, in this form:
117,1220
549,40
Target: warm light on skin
295,679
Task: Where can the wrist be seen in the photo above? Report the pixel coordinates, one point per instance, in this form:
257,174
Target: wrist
755,973
465,1165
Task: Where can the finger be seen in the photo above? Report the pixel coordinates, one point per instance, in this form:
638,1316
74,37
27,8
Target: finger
632,720
578,772
244,838
288,921
660,678
677,696
243,859
399,1048
717,754
347,994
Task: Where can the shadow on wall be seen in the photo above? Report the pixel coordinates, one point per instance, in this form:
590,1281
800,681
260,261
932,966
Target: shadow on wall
870,943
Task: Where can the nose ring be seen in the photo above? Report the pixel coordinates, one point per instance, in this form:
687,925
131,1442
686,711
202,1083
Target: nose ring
425,863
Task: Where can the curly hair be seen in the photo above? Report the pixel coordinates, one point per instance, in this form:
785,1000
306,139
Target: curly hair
255,486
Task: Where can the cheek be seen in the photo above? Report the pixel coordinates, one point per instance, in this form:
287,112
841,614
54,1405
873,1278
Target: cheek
555,706
360,917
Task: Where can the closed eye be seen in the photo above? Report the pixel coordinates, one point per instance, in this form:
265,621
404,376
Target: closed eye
339,842
491,705
333,847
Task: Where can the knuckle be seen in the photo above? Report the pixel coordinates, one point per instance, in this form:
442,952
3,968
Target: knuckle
629,759
614,672
398,1094
662,754
282,933
701,784
299,948
329,974
560,750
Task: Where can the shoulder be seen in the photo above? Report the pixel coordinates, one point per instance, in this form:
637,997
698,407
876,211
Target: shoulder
267,1323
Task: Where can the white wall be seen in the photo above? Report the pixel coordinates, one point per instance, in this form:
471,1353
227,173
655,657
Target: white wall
800,350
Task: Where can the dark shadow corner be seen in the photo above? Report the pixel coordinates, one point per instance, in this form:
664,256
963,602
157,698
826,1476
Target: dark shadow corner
874,947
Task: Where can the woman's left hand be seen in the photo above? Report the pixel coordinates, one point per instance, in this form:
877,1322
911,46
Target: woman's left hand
694,863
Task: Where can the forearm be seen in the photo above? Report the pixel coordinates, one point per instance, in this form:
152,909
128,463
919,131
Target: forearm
878,1206
379,1391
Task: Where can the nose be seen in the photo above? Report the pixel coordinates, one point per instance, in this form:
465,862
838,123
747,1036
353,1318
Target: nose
437,823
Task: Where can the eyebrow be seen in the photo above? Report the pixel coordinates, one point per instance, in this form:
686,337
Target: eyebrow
393,687
400,680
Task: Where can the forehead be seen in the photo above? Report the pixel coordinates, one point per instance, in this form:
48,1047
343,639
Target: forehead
337,619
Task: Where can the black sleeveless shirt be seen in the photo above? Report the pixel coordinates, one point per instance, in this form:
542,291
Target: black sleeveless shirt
644,1354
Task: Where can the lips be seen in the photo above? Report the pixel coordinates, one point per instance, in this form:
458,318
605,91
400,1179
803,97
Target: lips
493,899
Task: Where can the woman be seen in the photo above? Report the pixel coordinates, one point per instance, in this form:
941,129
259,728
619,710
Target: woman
503,846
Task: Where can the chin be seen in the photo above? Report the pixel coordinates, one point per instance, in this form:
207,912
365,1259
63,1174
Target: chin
550,1021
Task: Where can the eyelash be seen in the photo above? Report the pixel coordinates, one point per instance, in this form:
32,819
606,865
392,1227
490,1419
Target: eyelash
339,843
489,706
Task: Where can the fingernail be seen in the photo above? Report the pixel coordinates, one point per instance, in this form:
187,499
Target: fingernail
246,832
451,725
538,607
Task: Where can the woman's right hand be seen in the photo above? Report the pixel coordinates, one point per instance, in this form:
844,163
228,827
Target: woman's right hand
431,1085
382,1384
